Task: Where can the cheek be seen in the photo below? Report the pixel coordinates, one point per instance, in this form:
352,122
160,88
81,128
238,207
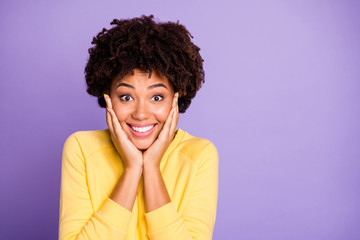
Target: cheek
162,112
121,111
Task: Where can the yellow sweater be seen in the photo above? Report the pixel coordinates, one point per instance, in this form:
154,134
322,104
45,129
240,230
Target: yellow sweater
91,167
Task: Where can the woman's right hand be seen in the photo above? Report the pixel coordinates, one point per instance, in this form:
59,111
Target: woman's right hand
129,153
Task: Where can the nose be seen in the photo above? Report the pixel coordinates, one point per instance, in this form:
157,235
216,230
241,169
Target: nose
140,111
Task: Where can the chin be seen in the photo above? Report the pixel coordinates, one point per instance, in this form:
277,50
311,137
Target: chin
143,145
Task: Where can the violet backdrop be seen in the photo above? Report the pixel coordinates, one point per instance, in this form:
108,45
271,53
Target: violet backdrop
280,102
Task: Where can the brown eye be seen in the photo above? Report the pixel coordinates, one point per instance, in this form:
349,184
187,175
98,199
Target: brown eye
157,98
126,98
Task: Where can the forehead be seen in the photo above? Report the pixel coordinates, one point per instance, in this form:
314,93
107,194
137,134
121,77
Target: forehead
140,77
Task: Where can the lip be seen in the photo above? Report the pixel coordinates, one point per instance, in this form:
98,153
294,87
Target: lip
142,134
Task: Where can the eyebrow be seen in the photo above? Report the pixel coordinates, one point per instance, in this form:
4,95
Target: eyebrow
125,85
157,85
150,87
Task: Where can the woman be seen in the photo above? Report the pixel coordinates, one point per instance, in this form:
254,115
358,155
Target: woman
140,178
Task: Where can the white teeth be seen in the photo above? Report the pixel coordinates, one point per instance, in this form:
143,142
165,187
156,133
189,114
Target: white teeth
142,129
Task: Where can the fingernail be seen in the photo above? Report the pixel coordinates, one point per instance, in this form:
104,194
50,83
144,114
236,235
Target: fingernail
176,97
105,97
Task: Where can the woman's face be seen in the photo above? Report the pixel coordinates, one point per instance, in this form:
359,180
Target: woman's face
142,105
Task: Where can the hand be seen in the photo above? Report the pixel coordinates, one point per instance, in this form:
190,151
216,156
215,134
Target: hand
129,153
152,156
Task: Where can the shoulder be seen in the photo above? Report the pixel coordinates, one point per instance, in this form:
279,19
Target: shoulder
196,148
88,141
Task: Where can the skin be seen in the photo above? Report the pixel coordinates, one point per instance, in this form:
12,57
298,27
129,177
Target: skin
137,99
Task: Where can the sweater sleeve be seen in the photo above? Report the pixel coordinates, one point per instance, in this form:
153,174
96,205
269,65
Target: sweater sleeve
78,219
198,218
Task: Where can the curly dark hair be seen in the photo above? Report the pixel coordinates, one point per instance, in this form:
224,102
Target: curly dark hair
142,43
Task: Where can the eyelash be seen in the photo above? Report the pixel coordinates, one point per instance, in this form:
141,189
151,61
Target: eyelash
122,97
161,96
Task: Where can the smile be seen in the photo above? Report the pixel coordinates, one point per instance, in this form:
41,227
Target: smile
142,129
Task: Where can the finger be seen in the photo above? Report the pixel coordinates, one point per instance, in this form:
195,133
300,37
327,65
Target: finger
108,101
175,99
117,129
173,116
176,114
174,121
109,121
113,118
108,115
166,128
113,121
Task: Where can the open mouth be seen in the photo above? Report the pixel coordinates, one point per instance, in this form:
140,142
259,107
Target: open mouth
143,129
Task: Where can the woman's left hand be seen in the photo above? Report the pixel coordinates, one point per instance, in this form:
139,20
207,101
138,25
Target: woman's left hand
152,156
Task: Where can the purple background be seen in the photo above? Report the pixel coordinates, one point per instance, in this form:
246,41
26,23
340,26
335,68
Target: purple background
280,102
